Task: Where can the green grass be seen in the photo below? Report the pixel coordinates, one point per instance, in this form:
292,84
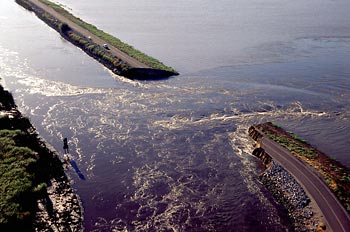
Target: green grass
296,137
345,179
292,146
276,125
128,49
25,168
16,179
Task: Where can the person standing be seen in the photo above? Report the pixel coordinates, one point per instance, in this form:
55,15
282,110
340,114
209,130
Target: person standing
65,146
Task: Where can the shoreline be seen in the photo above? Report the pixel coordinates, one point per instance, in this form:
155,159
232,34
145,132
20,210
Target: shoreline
51,202
94,43
63,208
302,210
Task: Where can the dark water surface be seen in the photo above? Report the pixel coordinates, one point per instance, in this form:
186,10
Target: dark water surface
173,155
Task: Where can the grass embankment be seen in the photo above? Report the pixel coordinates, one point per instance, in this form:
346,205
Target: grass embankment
25,168
128,49
113,63
336,175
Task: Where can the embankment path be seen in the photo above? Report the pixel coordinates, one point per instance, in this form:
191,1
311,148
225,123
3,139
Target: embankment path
113,50
336,217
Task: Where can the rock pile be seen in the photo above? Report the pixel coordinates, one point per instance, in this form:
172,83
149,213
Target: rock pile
287,191
61,210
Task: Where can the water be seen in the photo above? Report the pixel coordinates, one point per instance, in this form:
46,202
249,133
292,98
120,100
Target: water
173,155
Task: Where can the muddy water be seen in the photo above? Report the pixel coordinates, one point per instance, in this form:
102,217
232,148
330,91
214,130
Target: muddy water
173,155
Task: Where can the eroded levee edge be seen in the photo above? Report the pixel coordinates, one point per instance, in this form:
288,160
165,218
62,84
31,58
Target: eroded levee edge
303,212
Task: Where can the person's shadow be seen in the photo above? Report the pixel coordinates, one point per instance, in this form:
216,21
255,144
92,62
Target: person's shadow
76,169
68,159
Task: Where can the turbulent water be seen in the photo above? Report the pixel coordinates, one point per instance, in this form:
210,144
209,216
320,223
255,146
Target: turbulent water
174,155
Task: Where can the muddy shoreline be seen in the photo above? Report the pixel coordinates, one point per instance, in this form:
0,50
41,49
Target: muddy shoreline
57,207
62,210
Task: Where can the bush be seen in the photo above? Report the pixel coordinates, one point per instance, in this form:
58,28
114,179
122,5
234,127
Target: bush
64,28
6,99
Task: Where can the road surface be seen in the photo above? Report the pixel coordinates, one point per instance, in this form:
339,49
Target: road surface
113,50
337,219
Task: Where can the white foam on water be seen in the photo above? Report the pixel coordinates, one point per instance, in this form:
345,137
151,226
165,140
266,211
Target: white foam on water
295,110
243,147
17,71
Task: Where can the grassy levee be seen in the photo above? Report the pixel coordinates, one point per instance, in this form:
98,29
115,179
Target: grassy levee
26,166
336,175
126,48
107,59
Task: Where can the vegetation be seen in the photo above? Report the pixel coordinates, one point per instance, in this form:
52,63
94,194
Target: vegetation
96,51
336,175
16,179
295,145
63,28
6,100
87,45
131,51
25,169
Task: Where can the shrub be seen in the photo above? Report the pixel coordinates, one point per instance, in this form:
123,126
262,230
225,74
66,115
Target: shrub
64,28
6,99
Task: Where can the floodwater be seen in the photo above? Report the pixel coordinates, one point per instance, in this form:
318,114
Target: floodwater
174,155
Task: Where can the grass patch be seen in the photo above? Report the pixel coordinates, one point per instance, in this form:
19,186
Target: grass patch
296,137
16,180
25,168
293,145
